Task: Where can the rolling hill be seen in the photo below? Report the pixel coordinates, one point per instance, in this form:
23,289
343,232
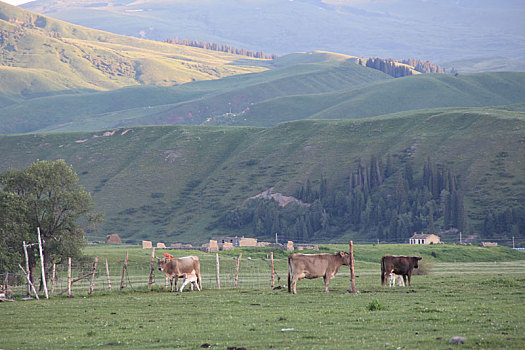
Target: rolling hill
329,89
435,30
43,56
191,103
175,183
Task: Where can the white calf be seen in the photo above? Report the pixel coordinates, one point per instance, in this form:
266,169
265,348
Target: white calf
392,280
190,278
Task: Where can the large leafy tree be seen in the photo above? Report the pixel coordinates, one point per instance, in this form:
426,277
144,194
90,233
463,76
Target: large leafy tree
46,195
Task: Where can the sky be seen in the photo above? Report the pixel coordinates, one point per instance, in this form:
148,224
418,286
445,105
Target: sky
16,2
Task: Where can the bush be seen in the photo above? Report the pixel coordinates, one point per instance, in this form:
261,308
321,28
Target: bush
375,305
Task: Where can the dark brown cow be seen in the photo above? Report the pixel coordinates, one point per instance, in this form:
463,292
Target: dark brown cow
314,266
400,265
181,267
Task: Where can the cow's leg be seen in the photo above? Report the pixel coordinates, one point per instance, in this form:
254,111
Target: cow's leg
184,283
405,280
294,282
390,279
400,281
199,282
175,280
409,275
198,288
326,282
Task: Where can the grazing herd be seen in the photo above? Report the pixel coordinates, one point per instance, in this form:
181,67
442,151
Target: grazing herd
300,266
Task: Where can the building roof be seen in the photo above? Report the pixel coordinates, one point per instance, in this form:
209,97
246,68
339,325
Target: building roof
423,235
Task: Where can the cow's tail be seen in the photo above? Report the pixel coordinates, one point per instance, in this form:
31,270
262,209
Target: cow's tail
383,271
289,272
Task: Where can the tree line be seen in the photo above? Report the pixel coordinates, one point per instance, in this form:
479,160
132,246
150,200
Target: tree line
220,47
393,67
378,200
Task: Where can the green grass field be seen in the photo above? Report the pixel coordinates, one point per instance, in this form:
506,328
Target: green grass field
482,301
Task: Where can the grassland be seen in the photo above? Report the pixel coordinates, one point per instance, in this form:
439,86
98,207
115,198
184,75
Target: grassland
193,103
481,301
172,183
328,87
41,55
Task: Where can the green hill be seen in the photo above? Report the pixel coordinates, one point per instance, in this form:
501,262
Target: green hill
489,64
191,103
176,183
395,95
333,87
55,56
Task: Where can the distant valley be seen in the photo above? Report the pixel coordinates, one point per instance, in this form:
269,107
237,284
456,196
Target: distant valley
173,140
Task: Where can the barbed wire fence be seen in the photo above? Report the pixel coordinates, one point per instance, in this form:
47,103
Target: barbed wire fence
253,273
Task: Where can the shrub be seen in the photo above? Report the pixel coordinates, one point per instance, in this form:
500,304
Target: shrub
375,305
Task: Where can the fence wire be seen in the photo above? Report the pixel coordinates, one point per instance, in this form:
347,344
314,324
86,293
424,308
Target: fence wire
253,274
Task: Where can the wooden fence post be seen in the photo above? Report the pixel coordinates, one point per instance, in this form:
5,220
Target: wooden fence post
27,267
217,271
5,286
29,281
236,283
352,272
53,278
42,263
107,273
124,271
69,283
152,268
273,270
91,282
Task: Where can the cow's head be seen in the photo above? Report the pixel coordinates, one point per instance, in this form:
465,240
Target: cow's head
345,257
162,263
415,259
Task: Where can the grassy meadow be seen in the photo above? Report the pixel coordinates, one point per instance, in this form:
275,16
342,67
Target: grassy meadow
481,300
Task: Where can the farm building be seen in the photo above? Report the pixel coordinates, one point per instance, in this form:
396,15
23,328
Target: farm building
422,238
237,241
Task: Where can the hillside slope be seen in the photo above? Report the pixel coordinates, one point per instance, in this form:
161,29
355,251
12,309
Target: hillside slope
333,87
174,183
192,103
57,56
435,30
396,95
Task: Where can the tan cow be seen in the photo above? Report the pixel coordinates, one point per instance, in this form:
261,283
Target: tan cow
314,266
181,267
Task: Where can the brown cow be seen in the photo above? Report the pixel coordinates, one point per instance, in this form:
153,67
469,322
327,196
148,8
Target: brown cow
181,267
400,265
313,266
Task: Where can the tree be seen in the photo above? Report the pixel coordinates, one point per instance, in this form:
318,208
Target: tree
47,195
13,230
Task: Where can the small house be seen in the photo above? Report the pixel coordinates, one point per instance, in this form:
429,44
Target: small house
422,238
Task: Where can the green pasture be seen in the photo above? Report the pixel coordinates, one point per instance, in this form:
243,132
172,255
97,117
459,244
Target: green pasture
481,301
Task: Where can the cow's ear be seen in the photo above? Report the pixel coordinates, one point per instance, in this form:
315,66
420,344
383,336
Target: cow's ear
418,258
